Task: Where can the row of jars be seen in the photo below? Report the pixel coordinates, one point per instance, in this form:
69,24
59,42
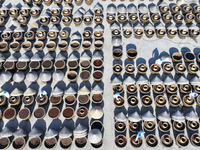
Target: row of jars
50,138
49,2
154,12
41,33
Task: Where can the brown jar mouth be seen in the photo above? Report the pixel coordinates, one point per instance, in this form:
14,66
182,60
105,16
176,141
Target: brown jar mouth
4,142
131,89
167,140
21,65
146,100
9,113
55,100
135,126
18,143
41,100
176,57
15,46
120,126
35,142
60,64
164,126
34,64
119,102
167,67
151,140
172,89
159,89
55,20
3,45
82,112
50,143
73,64
85,64
81,142
132,101
47,64
117,53
149,125
54,112
26,45
142,68
97,75
182,140
131,53
97,98
97,63
24,114
188,101
65,142
97,125
160,100
14,100
118,88
134,143
68,112
110,18
28,100
85,75
67,19
39,113
179,126
145,88
70,100
120,141
9,65
185,88
98,19
193,125
155,68
83,99
195,139
174,100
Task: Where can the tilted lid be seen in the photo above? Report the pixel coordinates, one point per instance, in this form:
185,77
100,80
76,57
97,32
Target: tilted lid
84,91
16,92
57,92
32,76
29,92
51,133
19,76
65,133
20,133
35,132
96,112
134,117
148,116
178,116
164,116
95,136
121,117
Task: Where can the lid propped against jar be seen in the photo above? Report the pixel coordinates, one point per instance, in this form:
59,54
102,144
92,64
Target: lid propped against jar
164,116
132,8
116,41
178,116
95,136
51,133
156,80
148,116
96,112
24,58
19,29
7,132
142,79
115,26
191,116
65,133
2,57
129,80
169,80
84,91
36,57
48,56
6,76
45,76
57,92
58,75
134,117
35,132
12,58
195,81
72,57
80,131
18,76
111,9
70,91
97,89
182,80
29,92
32,76
16,92
180,2
97,55
85,56
60,56
121,117
20,133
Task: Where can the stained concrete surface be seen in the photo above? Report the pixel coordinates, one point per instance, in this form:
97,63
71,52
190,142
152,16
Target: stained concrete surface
149,49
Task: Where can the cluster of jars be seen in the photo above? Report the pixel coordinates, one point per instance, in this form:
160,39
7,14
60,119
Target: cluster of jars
160,20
